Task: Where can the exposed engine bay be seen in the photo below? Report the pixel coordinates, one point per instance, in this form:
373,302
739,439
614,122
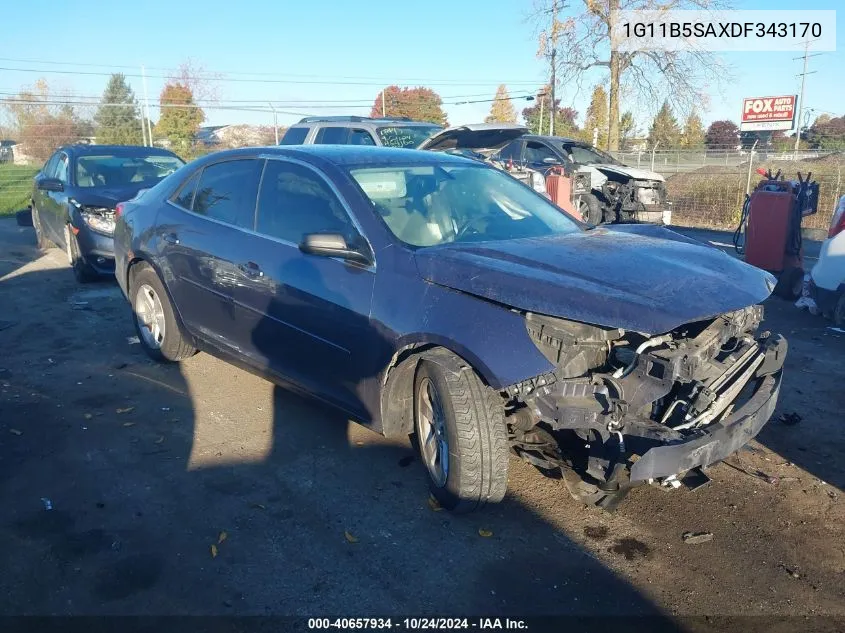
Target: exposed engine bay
625,194
616,397
627,199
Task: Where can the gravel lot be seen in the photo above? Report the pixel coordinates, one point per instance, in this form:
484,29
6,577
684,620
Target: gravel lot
203,489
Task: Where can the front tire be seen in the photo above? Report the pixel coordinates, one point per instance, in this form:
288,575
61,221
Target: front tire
838,316
589,208
82,271
154,319
460,433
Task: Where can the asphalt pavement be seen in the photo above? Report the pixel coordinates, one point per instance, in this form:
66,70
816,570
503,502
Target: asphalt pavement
129,488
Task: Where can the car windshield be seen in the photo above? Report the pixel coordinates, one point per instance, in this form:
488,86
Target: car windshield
585,155
441,204
405,136
119,171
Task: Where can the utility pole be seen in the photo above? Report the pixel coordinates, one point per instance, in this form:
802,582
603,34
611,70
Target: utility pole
803,76
147,106
143,128
542,96
383,109
275,124
553,69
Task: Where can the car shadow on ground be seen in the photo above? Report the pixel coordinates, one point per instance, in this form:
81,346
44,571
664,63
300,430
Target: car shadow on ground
135,488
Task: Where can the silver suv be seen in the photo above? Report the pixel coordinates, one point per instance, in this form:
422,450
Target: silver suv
359,130
479,141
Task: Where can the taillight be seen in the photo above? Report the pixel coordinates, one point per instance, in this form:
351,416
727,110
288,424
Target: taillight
837,224
118,210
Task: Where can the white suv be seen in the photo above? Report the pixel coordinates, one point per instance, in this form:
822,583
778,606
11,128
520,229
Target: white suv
828,274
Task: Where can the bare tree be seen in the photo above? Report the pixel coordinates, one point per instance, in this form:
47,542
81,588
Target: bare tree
42,121
203,84
584,44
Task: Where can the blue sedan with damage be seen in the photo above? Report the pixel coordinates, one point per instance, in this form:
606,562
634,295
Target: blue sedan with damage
75,195
430,295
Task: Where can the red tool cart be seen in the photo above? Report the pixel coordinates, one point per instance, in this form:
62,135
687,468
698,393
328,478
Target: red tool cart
769,232
565,190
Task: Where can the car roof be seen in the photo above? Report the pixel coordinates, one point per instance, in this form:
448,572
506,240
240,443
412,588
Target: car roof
354,121
349,155
116,150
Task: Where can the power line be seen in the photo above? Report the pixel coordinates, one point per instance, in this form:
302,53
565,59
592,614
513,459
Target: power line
212,74
283,102
343,81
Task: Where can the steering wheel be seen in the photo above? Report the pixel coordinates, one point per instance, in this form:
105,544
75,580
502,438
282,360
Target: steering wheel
469,227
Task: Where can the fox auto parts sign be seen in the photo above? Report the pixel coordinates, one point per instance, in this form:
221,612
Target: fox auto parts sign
768,113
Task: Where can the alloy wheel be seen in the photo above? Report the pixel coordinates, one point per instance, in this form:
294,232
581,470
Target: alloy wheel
150,316
431,432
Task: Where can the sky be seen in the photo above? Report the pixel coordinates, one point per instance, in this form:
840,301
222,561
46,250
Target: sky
335,56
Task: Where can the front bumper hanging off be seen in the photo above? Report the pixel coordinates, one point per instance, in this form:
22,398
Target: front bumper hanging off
717,441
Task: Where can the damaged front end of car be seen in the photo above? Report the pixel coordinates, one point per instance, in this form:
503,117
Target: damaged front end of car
623,409
632,200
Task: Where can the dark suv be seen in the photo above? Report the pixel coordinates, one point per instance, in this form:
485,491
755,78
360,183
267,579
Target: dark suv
357,130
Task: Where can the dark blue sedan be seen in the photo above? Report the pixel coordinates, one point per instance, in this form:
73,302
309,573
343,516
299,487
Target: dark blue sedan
435,296
75,194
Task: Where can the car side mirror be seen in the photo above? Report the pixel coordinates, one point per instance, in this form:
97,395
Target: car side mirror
551,160
51,184
331,245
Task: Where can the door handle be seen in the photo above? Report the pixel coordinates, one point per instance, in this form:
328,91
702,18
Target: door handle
170,238
251,269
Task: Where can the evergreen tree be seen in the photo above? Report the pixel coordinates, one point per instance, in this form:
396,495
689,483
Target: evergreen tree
627,129
502,110
693,137
596,117
665,129
117,121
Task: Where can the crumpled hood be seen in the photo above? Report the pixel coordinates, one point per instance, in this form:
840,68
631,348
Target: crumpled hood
645,279
108,196
631,172
482,138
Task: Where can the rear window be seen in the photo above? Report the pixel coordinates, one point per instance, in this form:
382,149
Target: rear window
227,192
294,136
331,136
406,136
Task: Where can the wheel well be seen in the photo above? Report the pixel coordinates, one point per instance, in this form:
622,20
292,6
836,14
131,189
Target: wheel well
131,270
397,394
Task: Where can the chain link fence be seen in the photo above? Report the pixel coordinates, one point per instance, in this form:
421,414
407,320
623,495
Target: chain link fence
707,188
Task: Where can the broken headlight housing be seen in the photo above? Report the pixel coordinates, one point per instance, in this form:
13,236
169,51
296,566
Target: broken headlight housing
99,219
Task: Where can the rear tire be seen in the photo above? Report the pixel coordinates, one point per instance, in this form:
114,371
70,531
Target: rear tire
40,241
589,208
472,434
82,271
155,322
